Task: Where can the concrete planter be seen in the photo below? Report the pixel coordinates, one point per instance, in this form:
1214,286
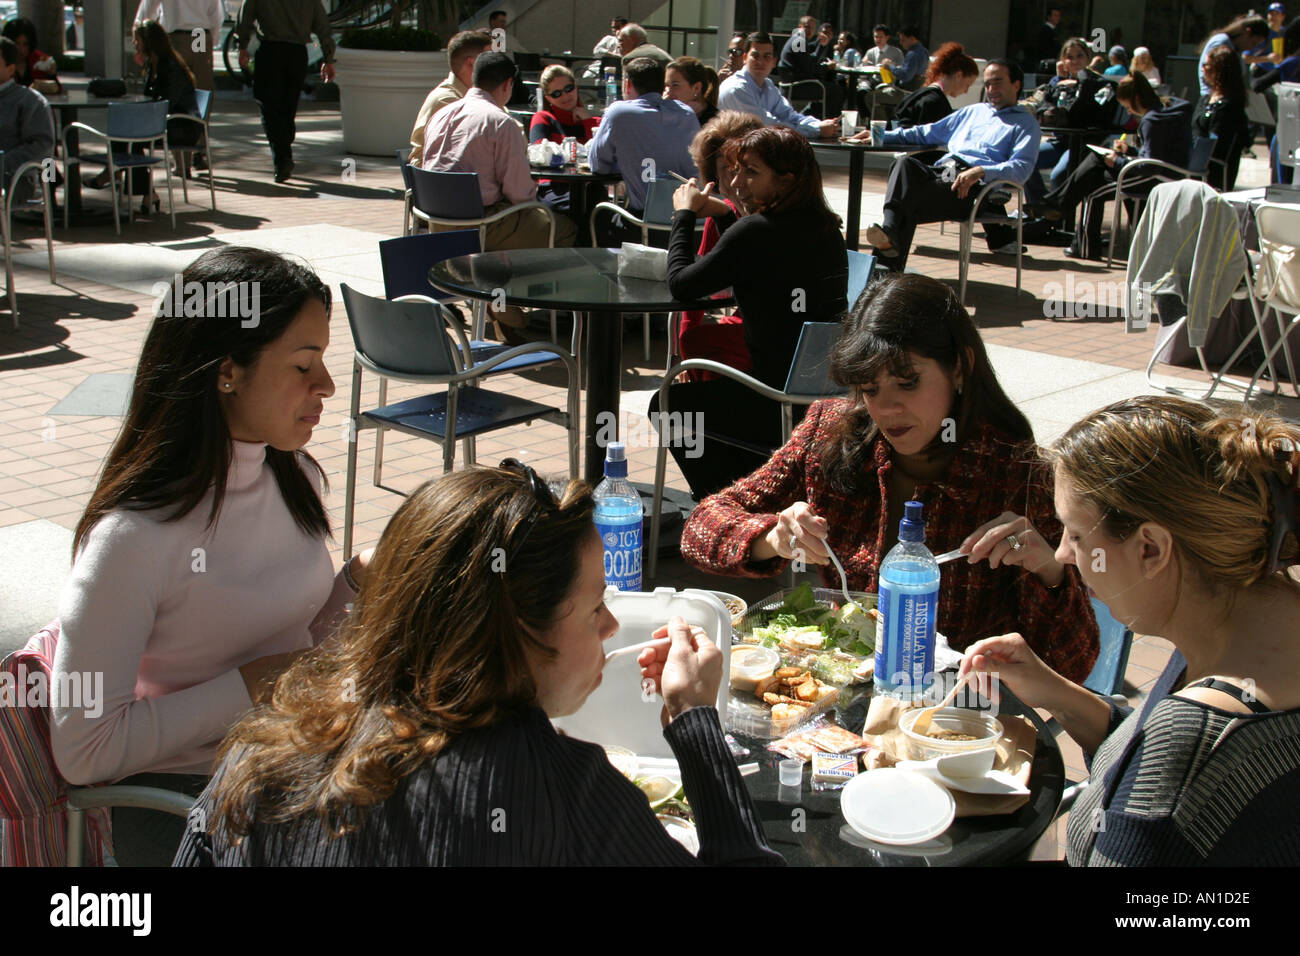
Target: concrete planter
381,92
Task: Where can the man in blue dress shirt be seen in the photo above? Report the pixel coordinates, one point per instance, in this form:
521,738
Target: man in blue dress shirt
997,139
644,137
750,90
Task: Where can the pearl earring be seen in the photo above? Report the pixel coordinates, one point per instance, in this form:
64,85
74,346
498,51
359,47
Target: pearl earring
958,389
228,387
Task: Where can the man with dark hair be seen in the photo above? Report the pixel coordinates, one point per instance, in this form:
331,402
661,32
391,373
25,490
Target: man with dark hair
476,135
644,137
751,90
1047,47
608,44
497,20
26,128
909,74
883,49
996,139
281,67
634,42
462,51
802,59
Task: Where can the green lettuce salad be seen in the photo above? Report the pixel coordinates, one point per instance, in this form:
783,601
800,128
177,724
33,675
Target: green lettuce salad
805,622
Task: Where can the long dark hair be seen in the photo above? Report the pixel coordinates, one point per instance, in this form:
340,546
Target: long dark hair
175,444
435,647
1243,24
1223,74
155,42
785,151
895,316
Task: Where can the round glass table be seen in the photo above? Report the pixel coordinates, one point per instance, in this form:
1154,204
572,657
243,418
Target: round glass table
585,282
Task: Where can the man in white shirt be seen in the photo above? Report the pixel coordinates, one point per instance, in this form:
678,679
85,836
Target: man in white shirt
476,135
752,91
195,28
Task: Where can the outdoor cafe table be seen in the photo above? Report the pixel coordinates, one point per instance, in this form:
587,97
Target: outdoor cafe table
856,150
577,178
586,282
66,105
824,838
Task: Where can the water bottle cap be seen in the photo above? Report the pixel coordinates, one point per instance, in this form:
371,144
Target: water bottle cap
912,527
615,460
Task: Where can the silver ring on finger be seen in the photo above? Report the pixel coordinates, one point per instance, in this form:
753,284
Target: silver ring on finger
794,544
1015,542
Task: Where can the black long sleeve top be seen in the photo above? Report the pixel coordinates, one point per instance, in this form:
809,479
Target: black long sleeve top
927,105
785,268
518,794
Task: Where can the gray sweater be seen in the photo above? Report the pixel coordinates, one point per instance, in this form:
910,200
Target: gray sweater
26,129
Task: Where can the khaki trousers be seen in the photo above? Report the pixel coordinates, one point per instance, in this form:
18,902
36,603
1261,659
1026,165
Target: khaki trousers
200,63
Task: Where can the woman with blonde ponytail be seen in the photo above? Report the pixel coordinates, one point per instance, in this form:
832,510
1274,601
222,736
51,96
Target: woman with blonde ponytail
1182,519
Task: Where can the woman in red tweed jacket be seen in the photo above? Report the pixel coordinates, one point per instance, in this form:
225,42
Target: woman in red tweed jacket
926,419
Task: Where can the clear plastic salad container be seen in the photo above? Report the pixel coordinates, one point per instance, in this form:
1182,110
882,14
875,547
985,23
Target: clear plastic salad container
835,644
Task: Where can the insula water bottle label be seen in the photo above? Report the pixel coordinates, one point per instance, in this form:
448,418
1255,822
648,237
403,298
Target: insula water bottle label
905,638
622,546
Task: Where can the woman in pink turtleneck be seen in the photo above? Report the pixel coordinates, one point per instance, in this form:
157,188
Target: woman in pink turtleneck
201,567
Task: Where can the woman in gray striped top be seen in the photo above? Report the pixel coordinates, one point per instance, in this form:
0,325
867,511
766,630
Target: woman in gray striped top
1182,520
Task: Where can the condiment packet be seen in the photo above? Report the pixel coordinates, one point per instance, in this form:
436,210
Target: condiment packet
821,735
832,771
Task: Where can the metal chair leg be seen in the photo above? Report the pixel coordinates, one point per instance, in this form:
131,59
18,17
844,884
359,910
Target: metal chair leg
379,432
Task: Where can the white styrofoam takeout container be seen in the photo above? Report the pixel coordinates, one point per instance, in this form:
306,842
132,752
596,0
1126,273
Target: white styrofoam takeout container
617,713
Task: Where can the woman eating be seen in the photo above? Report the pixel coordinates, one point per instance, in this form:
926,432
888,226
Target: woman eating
200,563
689,81
722,340
1222,114
926,419
1182,520
1166,133
785,264
423,735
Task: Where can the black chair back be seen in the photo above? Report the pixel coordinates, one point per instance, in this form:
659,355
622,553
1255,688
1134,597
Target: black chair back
446,195
406,260
404,338
810,369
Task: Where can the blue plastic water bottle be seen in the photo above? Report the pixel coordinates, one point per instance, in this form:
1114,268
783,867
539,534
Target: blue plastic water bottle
611,86
618,520
909,601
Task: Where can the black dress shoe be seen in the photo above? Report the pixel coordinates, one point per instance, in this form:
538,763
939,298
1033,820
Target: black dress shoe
1072,251
283,171
1043,210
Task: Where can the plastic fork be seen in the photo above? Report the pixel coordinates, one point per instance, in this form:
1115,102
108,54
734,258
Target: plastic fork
844,581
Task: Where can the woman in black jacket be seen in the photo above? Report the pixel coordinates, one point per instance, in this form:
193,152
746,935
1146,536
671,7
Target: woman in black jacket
1222,114
950,75
1166,133
167,78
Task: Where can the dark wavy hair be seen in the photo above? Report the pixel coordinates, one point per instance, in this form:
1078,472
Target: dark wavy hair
1223,74
175,446
155,42
786,152
436,646
895,318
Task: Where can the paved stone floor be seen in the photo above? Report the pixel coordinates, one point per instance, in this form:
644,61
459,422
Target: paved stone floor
65,372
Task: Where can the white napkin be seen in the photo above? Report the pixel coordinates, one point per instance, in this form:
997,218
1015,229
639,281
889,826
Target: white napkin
643,262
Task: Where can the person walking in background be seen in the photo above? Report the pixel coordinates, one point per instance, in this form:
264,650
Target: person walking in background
281,67
75,38
195,31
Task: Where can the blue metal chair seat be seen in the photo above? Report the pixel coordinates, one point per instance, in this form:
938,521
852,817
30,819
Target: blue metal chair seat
478,411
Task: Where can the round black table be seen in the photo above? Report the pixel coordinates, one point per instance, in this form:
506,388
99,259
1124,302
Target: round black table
586,282
856,150
579,177
808,829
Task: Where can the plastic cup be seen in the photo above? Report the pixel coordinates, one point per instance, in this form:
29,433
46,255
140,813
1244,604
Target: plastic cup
848,122
791,772
877,132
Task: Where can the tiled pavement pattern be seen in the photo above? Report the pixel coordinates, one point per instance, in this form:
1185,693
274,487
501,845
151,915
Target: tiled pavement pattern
62,375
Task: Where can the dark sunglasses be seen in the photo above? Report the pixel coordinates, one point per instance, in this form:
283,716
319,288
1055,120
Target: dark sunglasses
562,91
541,493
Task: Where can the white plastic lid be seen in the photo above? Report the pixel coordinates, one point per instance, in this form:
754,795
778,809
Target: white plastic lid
897,807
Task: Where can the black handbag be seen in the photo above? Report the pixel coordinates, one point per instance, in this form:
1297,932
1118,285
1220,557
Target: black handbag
106,87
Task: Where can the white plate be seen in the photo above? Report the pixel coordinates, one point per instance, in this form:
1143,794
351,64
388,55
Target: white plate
896,807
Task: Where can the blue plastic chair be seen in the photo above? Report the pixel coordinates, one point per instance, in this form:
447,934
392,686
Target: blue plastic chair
418,342
128,123
860,266
1107,675
204,100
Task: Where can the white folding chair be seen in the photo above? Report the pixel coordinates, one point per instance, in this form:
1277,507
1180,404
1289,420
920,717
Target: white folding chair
38,167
